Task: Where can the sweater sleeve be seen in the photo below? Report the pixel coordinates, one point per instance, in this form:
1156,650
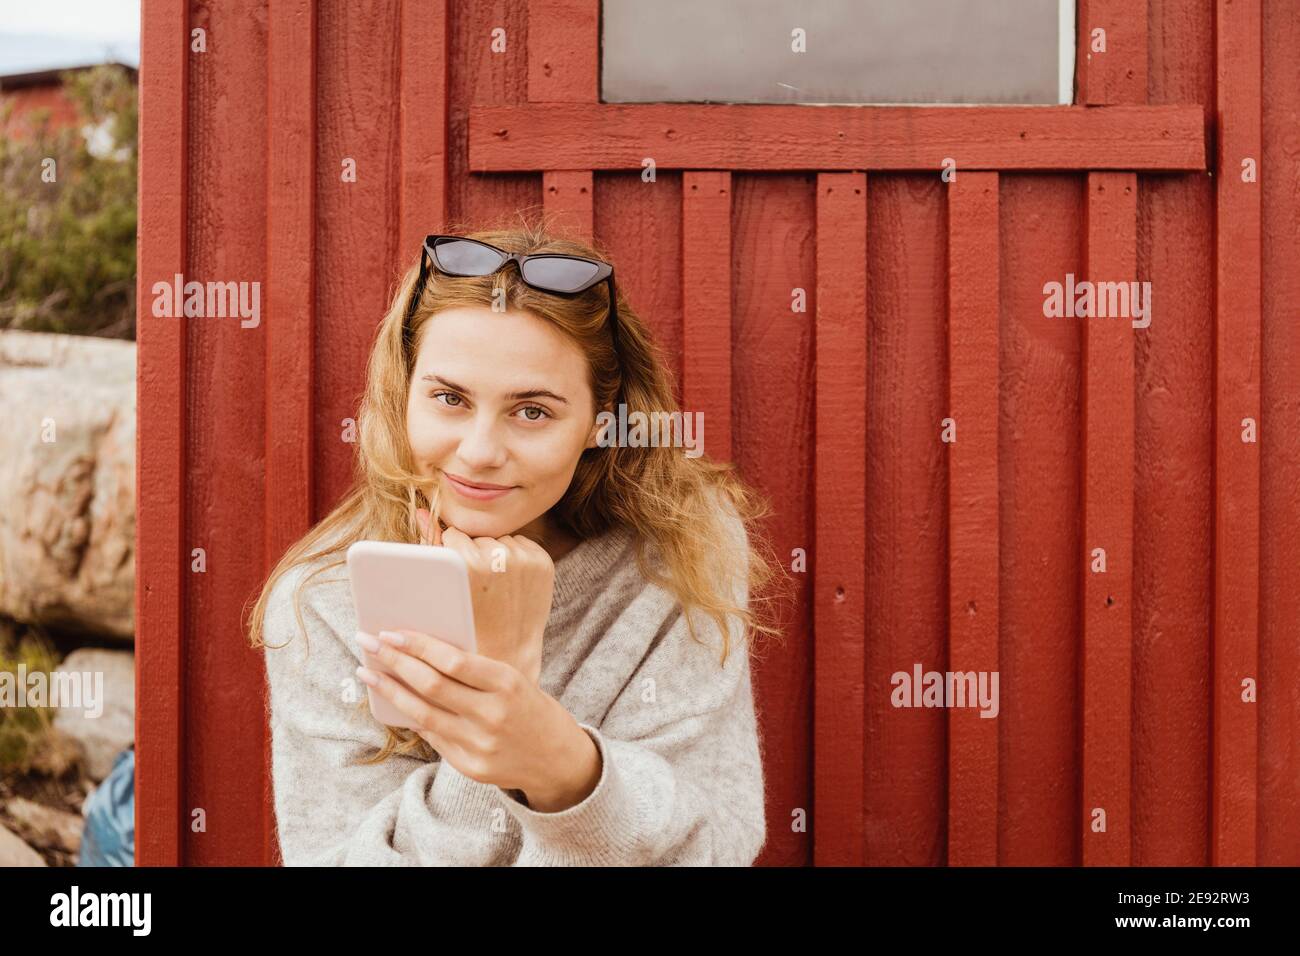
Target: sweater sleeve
332,809
681,778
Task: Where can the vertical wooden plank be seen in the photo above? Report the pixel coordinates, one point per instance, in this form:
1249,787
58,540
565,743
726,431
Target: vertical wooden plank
906,530
973,540
640,225
568,196
839,587
225,462
563,67
1119,73
291,301
706,305
1039,478
424,109
1173,495
563,51
773,355
1237,337
1279,584
358,121
160,436
1106,565
479,74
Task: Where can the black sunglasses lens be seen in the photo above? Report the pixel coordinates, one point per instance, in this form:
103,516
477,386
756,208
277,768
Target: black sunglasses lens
463,258
559,274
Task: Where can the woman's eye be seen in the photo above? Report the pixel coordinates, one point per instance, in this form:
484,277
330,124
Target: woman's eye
455,401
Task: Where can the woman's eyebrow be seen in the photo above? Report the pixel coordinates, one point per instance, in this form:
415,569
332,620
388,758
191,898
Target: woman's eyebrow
513,396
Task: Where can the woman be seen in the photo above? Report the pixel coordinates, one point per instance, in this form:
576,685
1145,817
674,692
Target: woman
608,715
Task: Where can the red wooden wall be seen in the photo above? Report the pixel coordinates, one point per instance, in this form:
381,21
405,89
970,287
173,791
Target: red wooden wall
1120,691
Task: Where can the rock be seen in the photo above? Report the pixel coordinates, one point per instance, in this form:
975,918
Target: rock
101,737
46,826
57,755
14,852
67,481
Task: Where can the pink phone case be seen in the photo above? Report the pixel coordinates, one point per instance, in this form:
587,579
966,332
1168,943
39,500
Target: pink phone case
416,587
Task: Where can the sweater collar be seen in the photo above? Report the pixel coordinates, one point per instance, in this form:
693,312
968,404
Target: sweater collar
590,563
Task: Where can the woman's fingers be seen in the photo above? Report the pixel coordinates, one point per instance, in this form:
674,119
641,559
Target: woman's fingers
486,553
420,676
474,671
460,542
426,716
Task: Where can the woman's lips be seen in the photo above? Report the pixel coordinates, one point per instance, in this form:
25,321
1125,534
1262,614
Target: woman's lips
477,494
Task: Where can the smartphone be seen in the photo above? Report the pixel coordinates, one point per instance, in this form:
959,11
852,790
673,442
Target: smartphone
415,587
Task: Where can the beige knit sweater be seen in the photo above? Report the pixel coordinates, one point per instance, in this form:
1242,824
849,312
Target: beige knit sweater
682,776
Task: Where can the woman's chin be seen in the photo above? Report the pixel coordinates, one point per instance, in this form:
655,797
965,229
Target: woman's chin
474,523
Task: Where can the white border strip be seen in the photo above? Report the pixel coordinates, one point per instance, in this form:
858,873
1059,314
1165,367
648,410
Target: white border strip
1065,53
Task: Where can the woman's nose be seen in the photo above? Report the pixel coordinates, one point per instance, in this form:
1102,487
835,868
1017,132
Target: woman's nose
482,445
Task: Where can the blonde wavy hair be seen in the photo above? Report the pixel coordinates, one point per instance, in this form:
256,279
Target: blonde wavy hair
668,499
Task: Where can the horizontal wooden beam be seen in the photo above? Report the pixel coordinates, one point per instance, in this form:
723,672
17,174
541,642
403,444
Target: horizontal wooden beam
550,136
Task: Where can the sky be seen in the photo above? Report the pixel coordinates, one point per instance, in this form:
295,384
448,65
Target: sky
50,34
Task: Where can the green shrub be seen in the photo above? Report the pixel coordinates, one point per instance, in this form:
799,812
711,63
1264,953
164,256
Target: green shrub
24,731
67,247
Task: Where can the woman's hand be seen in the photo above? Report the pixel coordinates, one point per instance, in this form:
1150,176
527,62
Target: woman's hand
512,583
486,719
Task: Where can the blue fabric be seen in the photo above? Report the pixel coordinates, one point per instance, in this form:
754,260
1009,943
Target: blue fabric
109,836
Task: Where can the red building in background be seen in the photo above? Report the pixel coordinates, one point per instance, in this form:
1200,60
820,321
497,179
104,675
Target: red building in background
30,92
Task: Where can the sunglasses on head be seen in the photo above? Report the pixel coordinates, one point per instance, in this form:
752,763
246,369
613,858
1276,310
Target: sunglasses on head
546,271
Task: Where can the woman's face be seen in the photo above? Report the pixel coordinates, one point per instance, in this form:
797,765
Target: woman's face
498,398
